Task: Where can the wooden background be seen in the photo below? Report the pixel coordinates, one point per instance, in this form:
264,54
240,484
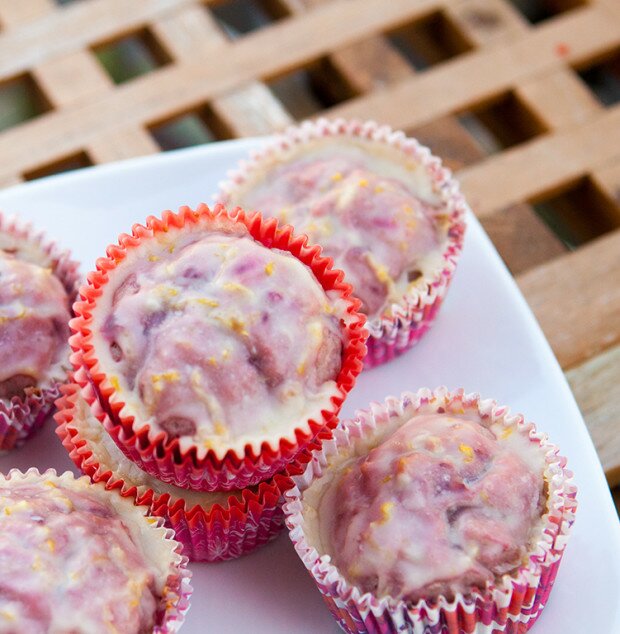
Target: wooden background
520,97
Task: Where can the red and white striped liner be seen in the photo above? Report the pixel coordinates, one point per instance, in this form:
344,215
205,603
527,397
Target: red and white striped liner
218,528
511,605
20,417
155,452
174,602
404,323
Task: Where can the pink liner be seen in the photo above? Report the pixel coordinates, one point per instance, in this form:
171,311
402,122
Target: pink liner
20,417
394,333
174,603
214,532
511,605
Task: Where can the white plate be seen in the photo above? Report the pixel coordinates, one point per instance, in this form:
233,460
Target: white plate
485,340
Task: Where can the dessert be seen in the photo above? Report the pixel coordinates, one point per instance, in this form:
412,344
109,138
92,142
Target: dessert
436,501
387,214
205,341
38,287
77,558
211,525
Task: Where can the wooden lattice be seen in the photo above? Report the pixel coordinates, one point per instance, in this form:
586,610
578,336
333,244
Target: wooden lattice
516,95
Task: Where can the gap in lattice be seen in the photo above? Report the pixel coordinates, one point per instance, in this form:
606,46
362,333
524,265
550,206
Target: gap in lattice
188,129
239,17
306,91
68,164
579,213
536,11
429,40
502,123
603,79
21,99
130,56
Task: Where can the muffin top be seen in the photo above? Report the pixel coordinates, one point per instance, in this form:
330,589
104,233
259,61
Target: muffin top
71,563
440,506
371,208
34,316
218,340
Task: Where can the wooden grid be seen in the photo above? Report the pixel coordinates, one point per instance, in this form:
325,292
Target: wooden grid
502,99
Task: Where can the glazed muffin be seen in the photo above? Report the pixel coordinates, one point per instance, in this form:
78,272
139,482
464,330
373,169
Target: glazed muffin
77,558
385,211
37,290
211,525
210,340
437,500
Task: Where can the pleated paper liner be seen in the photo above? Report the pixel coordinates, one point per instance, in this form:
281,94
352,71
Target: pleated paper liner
162,546
21,417
211,526
403,323
200,468
510,605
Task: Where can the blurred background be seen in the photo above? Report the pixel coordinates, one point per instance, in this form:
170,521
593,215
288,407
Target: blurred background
519,97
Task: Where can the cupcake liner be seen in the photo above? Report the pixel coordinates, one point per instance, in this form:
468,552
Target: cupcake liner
21,417
511,605
217,527
155,453
403,323
174,602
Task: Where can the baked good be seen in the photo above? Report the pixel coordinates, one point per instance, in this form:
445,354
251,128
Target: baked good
78,558
217,336
39,284
430,503
385,211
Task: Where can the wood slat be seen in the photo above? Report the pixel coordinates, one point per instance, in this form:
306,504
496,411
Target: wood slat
596,385
576,299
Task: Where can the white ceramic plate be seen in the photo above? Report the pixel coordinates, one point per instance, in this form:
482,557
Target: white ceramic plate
485,340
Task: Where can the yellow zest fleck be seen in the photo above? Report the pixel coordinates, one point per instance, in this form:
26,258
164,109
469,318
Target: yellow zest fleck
219,429
467,451
134,604
158,379
386,512
236,325
49,483
225,353
7,616
7,510
386,479
337,176
36,564
382,273
379,189
171,248
212,361
484,495
506,433
408,209
363,182
152,520
269,268
301,368
401,466
51,544
153,258
234,286
115,383
207,302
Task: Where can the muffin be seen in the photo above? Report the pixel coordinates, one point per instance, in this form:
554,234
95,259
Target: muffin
436,511
379,205
220,345
38,287
211,525
77,558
